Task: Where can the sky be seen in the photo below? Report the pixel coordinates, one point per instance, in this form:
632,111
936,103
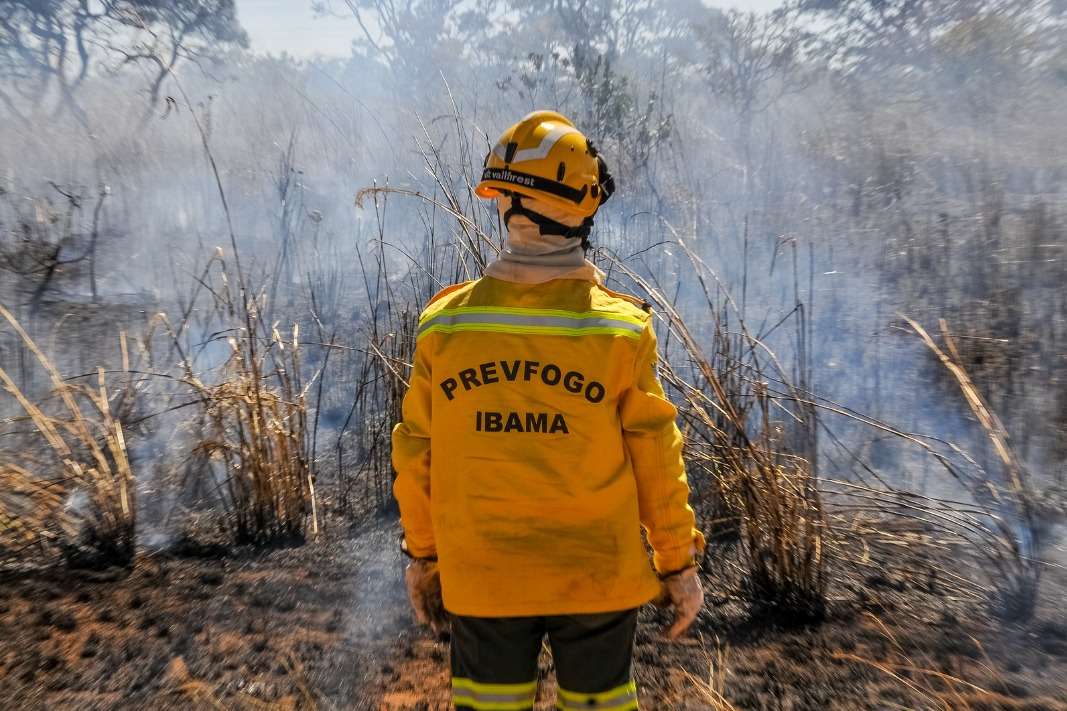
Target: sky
276,26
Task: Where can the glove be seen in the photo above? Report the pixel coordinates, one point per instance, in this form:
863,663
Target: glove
682,592
424,591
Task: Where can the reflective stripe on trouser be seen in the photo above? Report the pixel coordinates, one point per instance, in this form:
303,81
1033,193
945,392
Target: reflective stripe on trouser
621,698
467,693
531,321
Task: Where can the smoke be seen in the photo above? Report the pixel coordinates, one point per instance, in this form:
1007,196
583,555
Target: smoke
904,184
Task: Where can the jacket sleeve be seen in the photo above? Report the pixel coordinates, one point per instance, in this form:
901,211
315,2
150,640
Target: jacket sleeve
655,447
411,459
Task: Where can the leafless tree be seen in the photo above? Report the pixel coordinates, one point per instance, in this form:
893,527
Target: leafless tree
752,61
49,48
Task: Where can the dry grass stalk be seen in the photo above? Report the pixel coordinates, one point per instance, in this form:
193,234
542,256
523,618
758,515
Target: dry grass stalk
1016,476
256,424
259,432
26,508
77,492
712,690
394,302
939,689
1016,583
930,686
771,490
212,695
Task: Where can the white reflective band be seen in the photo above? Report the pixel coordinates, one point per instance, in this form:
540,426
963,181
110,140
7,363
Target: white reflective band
516,322
542,149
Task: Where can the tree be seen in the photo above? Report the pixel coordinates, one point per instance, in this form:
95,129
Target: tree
597,48
406,35
899,38
49,48
568,54
974,59
181,30
751,62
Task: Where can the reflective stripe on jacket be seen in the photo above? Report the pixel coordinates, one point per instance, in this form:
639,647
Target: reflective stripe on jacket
535,442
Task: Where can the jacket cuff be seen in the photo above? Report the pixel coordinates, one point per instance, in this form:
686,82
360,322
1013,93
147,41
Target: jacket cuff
673,560
417,551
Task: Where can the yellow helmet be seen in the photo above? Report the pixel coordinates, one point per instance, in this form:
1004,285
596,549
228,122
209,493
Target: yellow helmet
545,157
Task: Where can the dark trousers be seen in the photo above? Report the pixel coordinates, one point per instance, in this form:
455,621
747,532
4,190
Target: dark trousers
494,661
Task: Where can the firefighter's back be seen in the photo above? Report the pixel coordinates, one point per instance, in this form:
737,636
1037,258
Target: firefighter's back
533,498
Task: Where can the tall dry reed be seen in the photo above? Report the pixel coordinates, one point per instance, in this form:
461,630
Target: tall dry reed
73,486
254,432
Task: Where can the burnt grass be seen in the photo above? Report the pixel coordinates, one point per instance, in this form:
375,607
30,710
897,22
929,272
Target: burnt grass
326,625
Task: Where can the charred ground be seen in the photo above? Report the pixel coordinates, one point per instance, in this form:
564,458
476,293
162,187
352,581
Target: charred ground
326,625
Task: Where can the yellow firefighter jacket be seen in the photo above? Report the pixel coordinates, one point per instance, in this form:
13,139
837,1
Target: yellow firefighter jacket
535,438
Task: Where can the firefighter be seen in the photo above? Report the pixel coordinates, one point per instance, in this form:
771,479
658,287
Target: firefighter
536,442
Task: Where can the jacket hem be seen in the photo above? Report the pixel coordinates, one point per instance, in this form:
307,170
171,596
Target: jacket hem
555,607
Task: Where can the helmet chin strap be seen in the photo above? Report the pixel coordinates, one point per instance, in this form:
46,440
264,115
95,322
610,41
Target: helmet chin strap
548,226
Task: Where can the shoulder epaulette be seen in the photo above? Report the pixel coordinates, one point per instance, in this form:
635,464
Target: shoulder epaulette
639,303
